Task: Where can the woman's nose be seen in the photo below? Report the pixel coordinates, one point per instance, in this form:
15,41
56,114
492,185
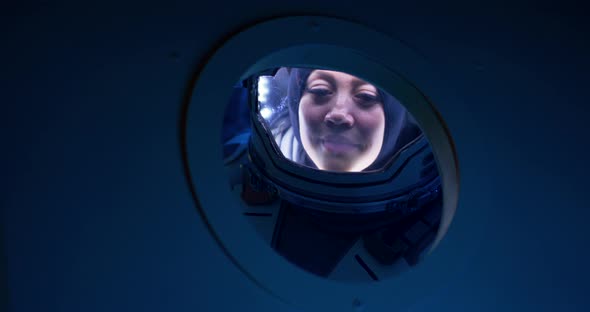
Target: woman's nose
339,116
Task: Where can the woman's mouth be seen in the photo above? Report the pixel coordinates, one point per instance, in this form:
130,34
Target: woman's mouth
339,145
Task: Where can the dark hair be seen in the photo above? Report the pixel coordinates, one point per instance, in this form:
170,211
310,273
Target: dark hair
399,130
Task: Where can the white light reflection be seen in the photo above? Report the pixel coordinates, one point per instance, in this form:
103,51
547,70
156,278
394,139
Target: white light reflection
263,88
265,112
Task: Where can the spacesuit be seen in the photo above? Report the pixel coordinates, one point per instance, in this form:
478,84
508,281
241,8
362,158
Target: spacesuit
391,208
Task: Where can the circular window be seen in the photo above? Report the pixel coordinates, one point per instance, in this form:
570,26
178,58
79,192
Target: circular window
328,153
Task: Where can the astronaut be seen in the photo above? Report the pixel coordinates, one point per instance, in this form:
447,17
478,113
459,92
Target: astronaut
339,168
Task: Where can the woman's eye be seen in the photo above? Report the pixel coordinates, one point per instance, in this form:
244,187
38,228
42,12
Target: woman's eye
367,99
319,92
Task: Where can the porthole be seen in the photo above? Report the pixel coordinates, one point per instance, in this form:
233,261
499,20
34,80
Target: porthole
269,181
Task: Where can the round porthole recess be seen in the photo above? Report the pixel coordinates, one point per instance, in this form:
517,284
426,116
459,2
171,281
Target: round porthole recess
316,42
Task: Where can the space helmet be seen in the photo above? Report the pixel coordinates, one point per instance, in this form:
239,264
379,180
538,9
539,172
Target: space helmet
398,188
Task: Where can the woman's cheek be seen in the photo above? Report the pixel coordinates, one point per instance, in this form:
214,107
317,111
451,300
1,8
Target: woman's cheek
314,118
367,123
371,122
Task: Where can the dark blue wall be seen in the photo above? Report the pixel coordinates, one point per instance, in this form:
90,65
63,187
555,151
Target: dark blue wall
96,211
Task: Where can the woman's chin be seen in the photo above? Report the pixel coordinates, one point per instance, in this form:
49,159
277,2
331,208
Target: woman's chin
339,165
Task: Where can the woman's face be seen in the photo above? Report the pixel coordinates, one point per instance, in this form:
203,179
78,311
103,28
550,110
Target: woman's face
341,121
